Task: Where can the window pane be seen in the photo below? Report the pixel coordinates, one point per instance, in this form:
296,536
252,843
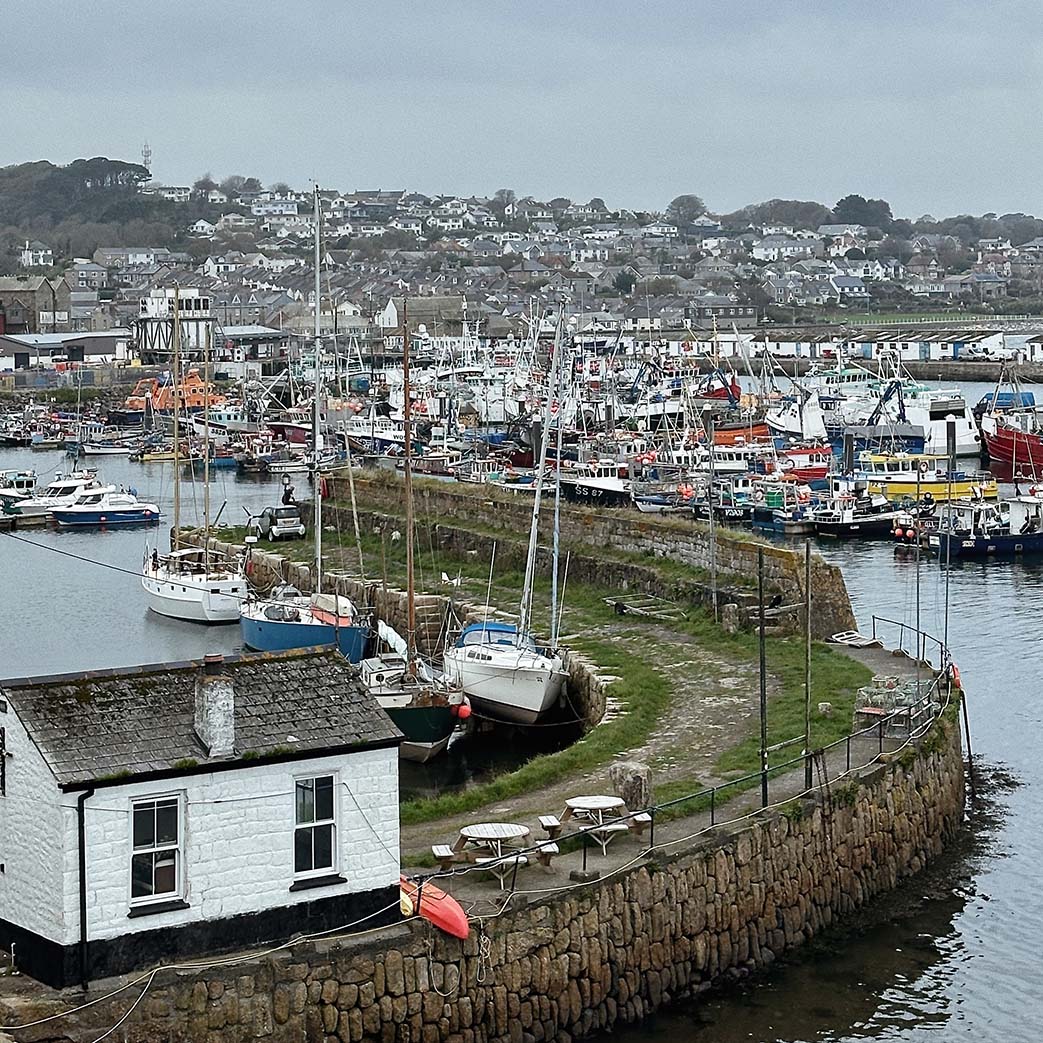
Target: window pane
324,797
141,876
302,860
165,874
323,840
166,822
306,800
145,825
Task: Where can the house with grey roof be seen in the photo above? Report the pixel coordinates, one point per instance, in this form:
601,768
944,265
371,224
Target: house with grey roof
160,812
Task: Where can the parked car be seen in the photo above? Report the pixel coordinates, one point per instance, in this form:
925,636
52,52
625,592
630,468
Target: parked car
278,523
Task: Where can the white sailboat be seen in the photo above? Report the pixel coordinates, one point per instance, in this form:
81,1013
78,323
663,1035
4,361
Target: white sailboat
499,665
190,583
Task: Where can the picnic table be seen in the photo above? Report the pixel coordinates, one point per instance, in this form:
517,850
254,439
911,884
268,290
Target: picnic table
600,810
488,845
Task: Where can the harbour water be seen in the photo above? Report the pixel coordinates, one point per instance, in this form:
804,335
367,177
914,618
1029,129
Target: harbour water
953,957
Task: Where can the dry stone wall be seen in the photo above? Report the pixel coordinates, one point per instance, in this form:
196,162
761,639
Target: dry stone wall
710,911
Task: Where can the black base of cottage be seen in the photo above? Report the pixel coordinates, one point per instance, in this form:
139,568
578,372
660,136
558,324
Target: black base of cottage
59,965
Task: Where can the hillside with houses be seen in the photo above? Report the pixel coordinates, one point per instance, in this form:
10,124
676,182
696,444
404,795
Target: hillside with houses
109,235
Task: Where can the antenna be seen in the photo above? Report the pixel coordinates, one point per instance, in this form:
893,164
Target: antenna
146,158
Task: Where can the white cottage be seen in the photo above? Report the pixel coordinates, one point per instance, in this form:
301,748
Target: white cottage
158,812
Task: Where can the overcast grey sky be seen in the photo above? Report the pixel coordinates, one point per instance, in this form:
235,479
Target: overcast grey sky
932,106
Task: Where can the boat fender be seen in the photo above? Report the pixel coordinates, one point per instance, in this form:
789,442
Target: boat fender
899,533
759,496
924,467
954,674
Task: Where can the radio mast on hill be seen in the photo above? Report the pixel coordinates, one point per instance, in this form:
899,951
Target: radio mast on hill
146,158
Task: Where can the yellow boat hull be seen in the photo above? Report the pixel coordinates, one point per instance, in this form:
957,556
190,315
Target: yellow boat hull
942,490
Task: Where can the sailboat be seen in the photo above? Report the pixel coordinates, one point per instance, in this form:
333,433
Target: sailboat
188,582
424,706
289,619
499,665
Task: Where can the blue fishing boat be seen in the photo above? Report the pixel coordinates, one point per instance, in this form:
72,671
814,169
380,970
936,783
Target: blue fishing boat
978,529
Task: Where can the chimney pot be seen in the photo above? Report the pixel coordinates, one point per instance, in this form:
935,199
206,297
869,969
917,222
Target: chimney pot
212,663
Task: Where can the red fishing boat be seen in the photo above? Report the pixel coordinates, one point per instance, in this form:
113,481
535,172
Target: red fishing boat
1015,442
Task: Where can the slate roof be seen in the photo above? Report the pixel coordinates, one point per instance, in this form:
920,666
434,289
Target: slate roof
139,720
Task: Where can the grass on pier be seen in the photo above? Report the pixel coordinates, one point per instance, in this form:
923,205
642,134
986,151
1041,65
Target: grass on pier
642,691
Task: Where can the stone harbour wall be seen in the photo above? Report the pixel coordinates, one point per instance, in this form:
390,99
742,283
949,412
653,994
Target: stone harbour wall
568,965
504,517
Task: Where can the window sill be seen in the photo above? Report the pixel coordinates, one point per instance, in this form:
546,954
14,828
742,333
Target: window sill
157,907
317,881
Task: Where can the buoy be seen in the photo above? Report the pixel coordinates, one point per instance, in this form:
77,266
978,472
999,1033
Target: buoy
954,673
463,711
899,533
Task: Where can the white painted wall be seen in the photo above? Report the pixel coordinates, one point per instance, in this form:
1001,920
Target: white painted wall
30,838
238,828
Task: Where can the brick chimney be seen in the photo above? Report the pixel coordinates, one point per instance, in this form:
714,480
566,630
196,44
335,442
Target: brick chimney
215,708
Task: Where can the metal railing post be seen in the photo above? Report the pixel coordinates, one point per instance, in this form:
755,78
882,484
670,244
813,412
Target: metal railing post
849,752
713,808
584,851
514,875
651,830
880,734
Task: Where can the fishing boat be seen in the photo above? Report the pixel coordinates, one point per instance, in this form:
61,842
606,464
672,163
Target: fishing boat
153,396
1015,441
852,510
909,476
782,505
1012,528
106,508
64,491
596,482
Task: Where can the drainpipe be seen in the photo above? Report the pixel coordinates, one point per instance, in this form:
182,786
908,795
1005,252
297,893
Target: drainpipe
81,835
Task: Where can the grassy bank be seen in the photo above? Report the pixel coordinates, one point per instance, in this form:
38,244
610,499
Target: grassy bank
642,690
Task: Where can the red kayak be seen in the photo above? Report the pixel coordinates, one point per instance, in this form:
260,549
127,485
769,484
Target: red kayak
444,911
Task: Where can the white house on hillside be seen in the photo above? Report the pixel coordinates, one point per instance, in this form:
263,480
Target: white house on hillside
155,813
36,255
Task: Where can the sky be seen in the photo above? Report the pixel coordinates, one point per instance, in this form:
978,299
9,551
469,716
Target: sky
935,107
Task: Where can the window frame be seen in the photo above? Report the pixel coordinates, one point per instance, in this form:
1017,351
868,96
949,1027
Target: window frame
317,871
181,876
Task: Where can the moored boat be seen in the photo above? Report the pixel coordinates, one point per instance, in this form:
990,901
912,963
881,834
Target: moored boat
106,508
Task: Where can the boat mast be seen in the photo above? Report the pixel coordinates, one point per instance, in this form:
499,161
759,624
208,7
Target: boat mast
206,451
316,410
407,439
175,376
554,614
530,559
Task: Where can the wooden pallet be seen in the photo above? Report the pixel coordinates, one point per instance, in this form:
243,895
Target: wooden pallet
647,605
